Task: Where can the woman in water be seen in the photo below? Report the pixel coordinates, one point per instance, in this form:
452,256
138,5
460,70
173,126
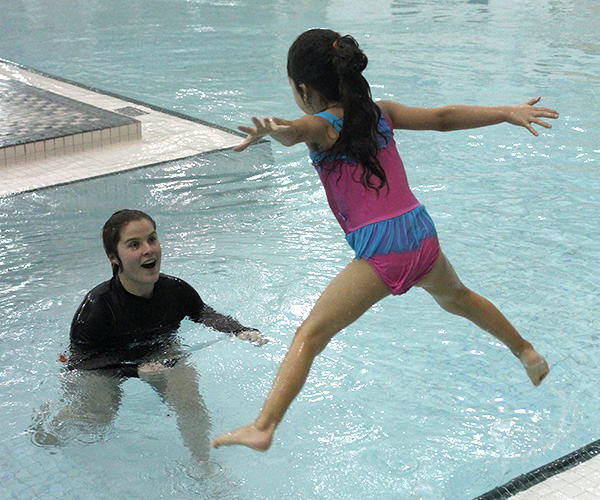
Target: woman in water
130,320
126,327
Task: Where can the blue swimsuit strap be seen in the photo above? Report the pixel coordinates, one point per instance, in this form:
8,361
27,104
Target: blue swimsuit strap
331,118
337,123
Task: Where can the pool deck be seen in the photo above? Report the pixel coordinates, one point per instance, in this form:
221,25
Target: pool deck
575,476
53,132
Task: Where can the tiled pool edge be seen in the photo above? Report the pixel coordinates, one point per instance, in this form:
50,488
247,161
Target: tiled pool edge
526,481
124,98
190,137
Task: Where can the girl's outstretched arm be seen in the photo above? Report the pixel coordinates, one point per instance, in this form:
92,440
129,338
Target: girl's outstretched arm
460,117
309,129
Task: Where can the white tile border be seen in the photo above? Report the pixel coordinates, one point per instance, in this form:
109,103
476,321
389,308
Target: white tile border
575,476
582,482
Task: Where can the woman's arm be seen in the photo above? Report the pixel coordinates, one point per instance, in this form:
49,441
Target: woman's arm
227,324
458,117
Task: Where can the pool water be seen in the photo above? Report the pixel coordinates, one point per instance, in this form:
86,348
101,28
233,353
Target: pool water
409,402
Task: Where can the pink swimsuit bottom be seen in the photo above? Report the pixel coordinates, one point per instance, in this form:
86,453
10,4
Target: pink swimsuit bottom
402,250
401,271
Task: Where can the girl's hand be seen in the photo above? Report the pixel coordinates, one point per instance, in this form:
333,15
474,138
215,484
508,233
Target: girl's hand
526,114
277,128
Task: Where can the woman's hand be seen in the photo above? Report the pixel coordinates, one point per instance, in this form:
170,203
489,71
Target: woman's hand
526,114
252,335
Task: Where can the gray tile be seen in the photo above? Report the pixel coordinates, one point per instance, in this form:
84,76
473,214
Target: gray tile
30,114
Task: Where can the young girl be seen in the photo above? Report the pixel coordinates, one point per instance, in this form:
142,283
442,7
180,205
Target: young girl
352,146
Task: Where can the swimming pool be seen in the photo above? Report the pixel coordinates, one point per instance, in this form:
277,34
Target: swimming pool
408,402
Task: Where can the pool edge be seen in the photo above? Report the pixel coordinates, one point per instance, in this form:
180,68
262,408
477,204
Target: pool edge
526,481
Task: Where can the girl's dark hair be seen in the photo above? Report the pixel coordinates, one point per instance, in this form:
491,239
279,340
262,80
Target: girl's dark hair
111,232
333,65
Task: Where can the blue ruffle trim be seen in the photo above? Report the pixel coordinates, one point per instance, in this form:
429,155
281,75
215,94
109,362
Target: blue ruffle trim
404,233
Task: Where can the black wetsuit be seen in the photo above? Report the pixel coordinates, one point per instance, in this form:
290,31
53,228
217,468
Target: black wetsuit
115,329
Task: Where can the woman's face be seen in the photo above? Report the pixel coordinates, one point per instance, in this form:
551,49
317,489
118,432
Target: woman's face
140,254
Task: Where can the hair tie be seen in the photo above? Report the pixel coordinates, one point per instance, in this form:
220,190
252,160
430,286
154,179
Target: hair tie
335,43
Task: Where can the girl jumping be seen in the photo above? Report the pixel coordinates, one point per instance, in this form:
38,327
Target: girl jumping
351,144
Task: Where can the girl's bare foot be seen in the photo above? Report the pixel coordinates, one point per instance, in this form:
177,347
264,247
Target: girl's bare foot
249,435
535,365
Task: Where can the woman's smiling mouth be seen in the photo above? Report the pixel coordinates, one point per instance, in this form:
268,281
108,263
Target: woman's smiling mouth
149,264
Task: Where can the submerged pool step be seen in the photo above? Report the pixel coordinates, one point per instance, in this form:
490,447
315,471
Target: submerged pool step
36,124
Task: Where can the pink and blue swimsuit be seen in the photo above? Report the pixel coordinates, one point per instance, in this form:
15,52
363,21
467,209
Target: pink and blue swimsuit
390,229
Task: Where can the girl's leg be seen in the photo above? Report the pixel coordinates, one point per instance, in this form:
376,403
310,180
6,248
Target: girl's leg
350,294
448,291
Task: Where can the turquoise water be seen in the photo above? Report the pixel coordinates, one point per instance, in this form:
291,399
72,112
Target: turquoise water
408,402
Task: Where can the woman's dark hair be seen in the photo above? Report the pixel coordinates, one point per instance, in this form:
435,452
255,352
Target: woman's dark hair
111,232
333,65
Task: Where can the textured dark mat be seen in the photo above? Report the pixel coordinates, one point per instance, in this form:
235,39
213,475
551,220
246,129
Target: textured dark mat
29,114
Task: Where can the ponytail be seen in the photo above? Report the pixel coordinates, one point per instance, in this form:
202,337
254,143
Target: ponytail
333,66
358,136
